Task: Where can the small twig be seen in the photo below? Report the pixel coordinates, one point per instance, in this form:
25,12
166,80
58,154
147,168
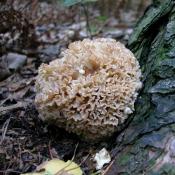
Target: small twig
51,156
11,107
100,29
60,171
84,160
79,164
19,154
87,19
10,171
3,101
4,129
75,151
25,6
108,167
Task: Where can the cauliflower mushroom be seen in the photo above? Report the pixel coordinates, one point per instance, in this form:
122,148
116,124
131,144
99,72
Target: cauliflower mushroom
91,90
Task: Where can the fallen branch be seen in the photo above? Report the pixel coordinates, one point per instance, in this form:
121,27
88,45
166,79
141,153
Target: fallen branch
11,107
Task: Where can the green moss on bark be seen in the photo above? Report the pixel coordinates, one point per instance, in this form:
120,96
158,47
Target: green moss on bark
150,136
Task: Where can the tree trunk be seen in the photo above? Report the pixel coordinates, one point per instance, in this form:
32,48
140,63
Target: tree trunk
147,145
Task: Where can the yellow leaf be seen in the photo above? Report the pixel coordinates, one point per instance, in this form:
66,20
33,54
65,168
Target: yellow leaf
57,167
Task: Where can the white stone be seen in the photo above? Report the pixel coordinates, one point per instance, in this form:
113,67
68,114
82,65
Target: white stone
102,157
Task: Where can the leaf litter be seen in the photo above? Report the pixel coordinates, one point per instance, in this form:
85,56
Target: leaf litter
25,141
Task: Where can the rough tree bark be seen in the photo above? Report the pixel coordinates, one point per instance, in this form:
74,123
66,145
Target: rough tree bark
147,145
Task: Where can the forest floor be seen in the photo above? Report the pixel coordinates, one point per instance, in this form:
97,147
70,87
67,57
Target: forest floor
26,141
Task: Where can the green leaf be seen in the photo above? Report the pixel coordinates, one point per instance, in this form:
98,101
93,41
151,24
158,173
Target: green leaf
71,2
102,18
74,2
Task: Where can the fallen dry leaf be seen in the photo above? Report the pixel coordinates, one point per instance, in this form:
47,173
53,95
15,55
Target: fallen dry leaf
57,167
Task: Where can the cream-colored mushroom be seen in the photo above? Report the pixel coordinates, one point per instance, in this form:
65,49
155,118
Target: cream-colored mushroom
91,90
